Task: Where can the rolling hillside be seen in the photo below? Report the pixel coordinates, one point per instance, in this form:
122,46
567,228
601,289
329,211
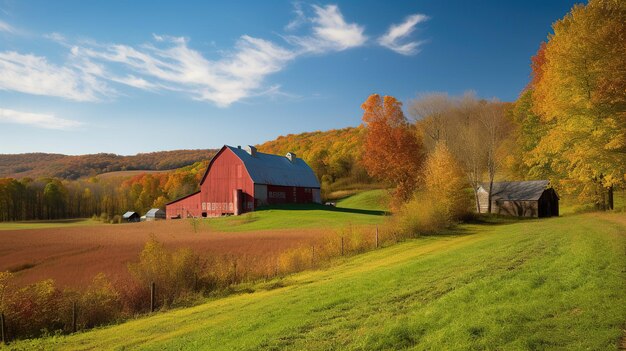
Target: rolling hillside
38,165
534,284
333,153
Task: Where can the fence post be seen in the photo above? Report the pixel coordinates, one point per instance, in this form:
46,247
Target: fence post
74,315
2,328
342,246
152,296
377,236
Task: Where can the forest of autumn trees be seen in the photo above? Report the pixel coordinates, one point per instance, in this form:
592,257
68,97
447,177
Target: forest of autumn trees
41,165
53,198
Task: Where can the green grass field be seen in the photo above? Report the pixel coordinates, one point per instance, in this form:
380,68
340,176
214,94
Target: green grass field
47,224
530,285
365,208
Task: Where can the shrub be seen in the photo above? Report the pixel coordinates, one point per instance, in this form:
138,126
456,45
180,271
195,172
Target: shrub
420,216
296,259
173,273
33,310
133,296
99,304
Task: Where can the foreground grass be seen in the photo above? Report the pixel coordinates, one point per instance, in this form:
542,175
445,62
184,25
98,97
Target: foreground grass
540,284
48,224
366,208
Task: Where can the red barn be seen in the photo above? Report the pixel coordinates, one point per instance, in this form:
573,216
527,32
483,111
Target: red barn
240,180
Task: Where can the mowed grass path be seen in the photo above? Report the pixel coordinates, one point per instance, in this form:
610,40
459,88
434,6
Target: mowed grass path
532,285
366,208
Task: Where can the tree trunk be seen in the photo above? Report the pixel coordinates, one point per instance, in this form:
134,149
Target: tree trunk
489,196
610,199
476,199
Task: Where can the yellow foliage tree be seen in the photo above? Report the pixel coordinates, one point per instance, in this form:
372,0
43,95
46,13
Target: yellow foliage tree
445,182
581,93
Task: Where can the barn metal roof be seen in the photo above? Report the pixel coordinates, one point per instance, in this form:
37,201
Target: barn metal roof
128,214
277,170
153,212
525,190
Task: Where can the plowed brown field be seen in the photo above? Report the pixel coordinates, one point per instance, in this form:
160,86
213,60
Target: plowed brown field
72,256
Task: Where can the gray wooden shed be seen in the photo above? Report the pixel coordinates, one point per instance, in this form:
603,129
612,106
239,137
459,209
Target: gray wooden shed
533,198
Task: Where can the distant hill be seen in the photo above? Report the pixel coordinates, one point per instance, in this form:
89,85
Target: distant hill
38,165
334,155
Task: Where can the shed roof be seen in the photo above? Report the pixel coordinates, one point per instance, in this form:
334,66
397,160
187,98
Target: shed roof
129,214
524,190
155,212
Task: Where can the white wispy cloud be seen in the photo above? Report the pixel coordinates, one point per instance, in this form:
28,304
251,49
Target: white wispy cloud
35,75
397,32
39,120
170,64
95,71
299,19
331,32
5,27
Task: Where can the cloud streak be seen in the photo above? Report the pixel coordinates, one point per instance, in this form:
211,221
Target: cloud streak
38,120
170,64
35,75
331,32
398,32
5,27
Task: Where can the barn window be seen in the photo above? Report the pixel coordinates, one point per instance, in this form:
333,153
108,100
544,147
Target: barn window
204,206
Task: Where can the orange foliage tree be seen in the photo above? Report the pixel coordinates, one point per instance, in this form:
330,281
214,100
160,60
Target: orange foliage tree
392,152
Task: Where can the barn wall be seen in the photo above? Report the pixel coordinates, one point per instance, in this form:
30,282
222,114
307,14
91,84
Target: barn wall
187,207
317,196
260,194
548,204
518,208
288,195
227,173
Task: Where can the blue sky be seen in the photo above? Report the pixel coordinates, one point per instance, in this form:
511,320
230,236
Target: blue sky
137,76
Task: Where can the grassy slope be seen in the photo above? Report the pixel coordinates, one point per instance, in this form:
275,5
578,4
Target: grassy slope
557,283
365,208
47,224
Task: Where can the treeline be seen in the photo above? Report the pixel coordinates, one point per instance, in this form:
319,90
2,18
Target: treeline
51,198
334,155
41,165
